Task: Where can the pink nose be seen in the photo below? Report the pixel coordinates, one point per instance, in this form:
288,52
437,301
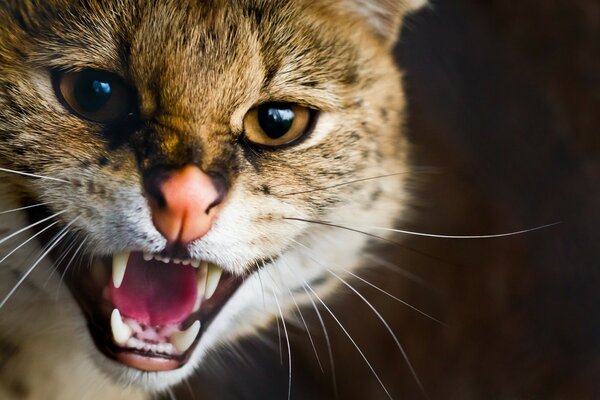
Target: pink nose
186,211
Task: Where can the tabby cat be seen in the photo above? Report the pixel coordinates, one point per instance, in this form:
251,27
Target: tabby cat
170,172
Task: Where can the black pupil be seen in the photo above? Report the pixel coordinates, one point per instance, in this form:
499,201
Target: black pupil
276,119
92,91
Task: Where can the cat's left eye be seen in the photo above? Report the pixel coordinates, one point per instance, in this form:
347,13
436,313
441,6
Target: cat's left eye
276,124
95,95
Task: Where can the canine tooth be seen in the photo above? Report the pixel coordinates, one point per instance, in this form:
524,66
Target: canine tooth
118,268
213,276
196,263
184,340
148,257
121,331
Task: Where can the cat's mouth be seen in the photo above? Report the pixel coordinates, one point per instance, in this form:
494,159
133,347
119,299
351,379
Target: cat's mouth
145,311
148,312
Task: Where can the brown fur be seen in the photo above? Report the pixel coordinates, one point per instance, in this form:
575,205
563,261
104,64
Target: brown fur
197,68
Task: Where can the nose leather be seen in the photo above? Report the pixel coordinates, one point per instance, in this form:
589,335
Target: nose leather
184,212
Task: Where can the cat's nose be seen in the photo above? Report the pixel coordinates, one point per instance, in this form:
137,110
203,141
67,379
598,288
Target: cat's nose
184,202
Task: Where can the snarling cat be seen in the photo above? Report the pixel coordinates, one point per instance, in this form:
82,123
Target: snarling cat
169,171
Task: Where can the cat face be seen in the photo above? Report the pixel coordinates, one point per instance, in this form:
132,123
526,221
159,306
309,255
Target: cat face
183,153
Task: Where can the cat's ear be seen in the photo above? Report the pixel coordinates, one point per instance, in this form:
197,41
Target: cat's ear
384,16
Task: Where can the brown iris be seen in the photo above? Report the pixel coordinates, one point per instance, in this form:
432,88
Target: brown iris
95,95
276,124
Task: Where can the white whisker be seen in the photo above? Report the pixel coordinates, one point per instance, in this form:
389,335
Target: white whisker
463,237
262,287
402,350
351,339
33,175
22,208
29,227
396,298
344,184
307,331
289,347
27,241
393,335
370,284
64,232
171,394
399,270
327,341
60,259
64,273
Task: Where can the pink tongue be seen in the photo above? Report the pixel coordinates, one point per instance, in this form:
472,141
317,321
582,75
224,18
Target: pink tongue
155,293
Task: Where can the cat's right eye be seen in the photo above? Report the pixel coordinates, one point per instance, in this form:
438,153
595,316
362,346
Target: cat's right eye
95,95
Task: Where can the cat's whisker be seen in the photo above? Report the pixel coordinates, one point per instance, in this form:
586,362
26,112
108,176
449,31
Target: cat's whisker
395,298
64,252
27,174
378,314
327,341
280,342
357,229
171,394
30,226
27,241
370,284
55,242
344,184
389,329
362,354
373,236
399,270
22,208
463,237
312,343
289,347
189,388
262,287
64,273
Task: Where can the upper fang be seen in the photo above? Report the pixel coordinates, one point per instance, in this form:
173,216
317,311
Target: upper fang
118,268
213,276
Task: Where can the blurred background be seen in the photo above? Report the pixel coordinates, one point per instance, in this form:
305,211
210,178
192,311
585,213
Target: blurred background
504,105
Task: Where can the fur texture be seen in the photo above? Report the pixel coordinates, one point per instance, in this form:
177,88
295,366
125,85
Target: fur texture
197,69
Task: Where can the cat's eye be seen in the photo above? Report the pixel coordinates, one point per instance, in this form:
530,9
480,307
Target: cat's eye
276,124
95,95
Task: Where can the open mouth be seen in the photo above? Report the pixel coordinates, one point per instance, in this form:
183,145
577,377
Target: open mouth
147,311
152,310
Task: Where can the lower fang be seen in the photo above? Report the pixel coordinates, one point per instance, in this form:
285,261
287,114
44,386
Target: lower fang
120,330
184,340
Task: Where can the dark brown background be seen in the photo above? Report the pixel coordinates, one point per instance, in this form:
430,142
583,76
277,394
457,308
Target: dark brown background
505,103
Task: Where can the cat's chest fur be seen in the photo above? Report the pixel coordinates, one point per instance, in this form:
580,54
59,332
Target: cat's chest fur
177,176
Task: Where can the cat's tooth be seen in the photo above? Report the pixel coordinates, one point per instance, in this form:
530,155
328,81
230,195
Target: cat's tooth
120,330
118,268
186,262
148,257
166,260
196,263
213,276
176,261
184,340
203,271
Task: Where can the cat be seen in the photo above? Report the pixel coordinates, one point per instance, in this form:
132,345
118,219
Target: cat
171,175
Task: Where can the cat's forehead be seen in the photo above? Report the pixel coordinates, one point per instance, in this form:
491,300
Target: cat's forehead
189,50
